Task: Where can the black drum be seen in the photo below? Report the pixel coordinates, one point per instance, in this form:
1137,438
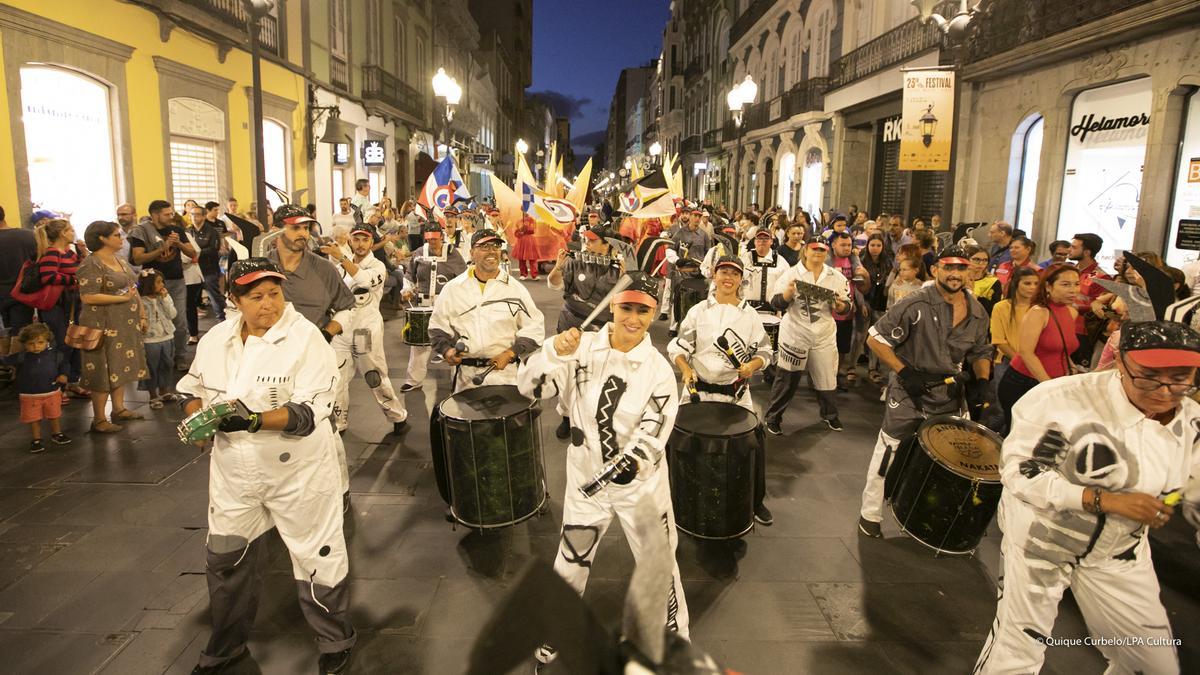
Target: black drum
689,292
416,326
710,456
493,456
944,484
770,322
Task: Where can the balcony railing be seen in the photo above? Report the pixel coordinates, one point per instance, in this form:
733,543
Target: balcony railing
234,13
895,46
381,85
694,69
339,73
806,96
691,145
747,20
713,138
1012,23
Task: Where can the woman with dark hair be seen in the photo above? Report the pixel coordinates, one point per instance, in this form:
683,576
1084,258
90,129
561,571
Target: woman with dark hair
877,259
793,245
274,465
110,303
57,264
986,287
1045,338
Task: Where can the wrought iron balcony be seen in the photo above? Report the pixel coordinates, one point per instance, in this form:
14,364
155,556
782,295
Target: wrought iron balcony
339,73
806,96
692,145
1008,24
895,46
231,12
382,86
747,20
694,69
713,137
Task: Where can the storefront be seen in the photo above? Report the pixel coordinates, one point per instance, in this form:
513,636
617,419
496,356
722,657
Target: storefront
1186,194
368,154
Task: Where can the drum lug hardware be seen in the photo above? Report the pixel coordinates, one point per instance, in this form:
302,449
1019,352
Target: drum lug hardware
975,492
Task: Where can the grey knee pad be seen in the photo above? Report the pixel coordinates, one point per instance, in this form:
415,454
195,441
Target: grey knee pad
373,378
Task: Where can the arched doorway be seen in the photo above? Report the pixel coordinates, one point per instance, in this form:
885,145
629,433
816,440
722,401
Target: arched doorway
811,183
787,176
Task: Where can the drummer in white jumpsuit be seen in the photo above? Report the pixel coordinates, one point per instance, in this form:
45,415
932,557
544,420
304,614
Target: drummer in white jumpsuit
273,465
717,333
621,394
489,313
360,344
430,268
1091,463
808,336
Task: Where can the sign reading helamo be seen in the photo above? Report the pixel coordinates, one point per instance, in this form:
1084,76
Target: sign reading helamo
1090,124
927,129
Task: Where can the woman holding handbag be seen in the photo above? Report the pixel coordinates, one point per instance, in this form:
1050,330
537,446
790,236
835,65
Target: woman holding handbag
110,326
56,265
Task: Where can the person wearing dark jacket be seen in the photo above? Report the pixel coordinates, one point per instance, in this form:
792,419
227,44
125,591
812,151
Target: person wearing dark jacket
209,238
41,373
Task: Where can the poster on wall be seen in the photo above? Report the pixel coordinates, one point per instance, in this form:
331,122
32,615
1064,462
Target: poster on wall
1106,148
1186,201
927,128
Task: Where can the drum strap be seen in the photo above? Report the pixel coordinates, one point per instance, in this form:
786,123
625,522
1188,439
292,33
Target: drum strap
733,390
887,459
480,362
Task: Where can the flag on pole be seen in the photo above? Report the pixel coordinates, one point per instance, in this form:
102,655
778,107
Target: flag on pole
545,208
443,187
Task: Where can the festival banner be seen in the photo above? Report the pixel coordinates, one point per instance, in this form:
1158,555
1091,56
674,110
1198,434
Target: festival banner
928,126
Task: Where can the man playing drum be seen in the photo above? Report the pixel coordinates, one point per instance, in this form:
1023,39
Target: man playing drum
721,344
621,396
764,266
584,281
486,311
808,294
924,339
360,344
1091,463
431,267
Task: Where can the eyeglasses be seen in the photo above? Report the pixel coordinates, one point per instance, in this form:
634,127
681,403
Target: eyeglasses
1149,384
488,246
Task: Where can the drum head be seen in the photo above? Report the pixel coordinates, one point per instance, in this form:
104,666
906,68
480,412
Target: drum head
968,449
714,418
419,310
485,403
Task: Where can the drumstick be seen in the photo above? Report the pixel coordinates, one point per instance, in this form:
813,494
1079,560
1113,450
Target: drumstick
621,285
607,473
724,345
478,379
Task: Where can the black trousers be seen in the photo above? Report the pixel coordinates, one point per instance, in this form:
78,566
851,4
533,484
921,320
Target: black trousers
194,291
1012,387
784,388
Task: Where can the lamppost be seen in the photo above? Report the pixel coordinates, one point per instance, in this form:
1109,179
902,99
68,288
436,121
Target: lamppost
655,152
255,11
956,26
445,87
742,94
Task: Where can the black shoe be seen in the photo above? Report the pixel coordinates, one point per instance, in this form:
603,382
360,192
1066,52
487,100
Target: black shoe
773,429
869,528
834,424
564,429
406,387
399,427
672,333
61,439
221,667
763,515
337,662
37,446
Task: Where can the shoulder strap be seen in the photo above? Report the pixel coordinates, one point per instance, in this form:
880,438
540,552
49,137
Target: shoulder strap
1062,340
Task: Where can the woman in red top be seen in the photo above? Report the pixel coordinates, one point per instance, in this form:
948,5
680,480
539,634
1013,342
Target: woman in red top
56,265
1046,338
1021,249
526,249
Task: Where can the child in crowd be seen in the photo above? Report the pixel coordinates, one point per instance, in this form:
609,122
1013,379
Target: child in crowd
160,329
906,282
41,374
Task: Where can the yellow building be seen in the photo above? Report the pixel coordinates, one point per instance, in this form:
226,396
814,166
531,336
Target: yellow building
108,101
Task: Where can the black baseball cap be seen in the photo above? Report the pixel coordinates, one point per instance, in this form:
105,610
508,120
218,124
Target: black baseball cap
484,236
954,255
1160,344
641,290
730,261
248,271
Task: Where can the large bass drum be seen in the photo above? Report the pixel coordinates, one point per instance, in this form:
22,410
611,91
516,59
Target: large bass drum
711,455
493,456
944,484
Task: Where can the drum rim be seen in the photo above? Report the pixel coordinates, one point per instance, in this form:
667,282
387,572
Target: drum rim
935,549
490,526
757,420
442,411
739,535
419,310
968,423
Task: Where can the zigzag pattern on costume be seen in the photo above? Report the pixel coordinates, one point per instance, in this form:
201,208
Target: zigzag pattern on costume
606,407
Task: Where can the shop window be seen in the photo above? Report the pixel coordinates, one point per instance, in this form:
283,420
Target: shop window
193,170
787,177
67,119
1186,204
1106,147
810,183
1024,166
275,154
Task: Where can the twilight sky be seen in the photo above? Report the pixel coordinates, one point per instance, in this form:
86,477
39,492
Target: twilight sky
579,50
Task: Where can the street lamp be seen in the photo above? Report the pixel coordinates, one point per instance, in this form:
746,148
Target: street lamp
522,146
655,151
445,87
956,26
742,94
928,125
255,11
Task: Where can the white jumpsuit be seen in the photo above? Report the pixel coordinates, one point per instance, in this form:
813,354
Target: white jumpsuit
445,267
617,402
742,329
762,274
487,318
1068,434
272,479
360,345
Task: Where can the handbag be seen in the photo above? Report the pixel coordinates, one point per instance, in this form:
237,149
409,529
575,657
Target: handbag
30,290
80,337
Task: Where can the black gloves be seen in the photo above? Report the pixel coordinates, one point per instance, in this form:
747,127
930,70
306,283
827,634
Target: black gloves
917,382
242,419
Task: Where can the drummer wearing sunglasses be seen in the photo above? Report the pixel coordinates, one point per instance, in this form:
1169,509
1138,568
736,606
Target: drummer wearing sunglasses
274,465
1091,463
621,397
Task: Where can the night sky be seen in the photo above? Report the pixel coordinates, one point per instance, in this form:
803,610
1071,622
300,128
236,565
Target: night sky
579,50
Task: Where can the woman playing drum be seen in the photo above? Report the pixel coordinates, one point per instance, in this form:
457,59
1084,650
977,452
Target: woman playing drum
274,465
622,400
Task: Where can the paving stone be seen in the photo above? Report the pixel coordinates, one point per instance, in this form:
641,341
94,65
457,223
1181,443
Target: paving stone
109,602
119,547
32,598
767,610
151,651
47,652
